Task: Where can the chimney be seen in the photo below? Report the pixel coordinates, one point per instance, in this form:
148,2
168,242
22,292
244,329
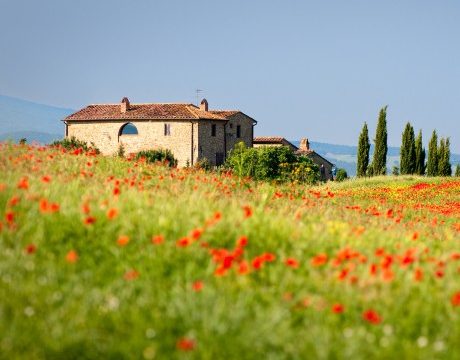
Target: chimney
204,105
124,105
304,144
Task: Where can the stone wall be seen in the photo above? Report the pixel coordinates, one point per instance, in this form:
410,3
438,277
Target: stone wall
318,160
208,145
246,130
104,134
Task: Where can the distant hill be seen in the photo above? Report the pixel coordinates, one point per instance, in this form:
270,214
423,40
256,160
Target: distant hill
35,122
344,156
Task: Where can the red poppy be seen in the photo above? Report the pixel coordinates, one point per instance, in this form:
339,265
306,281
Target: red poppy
71,256
9,217
242,241
112,213
243,268
183,242
23,183
46,179
14,201
247,211
455,300
30,249
319,259
157,239
185,344
293,263
131,275
372,317
197,286
196,233
338,308
123,240
89,220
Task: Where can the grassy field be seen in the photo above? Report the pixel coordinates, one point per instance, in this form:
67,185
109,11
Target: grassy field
105,258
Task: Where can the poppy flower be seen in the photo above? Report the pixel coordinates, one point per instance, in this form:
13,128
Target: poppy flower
242,241
131,275
9,217
112,213
247,211
157,239
14,201
372,317
89,220
71,256
293,263
455,300
337,308
46,179
197,286
30,249
319,259
123,240
183,242
23,183
243,268
196,233
185,344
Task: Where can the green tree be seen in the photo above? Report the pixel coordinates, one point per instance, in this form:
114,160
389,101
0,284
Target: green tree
379,162
419,155
408,158
432,163
457,170
444,166
363,152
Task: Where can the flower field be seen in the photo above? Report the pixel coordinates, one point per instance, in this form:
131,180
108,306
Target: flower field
108,258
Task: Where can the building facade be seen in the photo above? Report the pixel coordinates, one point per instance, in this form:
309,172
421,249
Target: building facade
325,166
192,133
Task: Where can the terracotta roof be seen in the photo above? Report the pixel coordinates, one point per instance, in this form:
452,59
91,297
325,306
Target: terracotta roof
160,111
269,139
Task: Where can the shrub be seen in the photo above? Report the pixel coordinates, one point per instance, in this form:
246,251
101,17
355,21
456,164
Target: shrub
121,151
73,143
202,164
159,155
271,163
341,175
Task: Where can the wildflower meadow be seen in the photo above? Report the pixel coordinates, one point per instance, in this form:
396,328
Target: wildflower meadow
102,257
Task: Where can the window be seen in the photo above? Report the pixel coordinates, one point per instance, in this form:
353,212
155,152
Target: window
238,131
213,130
167,129
128,129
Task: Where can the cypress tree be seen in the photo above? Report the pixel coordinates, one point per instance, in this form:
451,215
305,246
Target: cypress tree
441,157
432,163
419,155
379,162
444,166
457,170
363,152
408,160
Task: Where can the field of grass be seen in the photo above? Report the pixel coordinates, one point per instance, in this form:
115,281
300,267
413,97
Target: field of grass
106,258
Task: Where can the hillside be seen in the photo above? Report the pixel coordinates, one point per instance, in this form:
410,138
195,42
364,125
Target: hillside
114,259
35,122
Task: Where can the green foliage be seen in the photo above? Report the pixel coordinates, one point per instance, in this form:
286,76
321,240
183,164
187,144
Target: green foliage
379,162
73,143
203,164
419,155
121,151
432,164
444,166
408,154
22,141
158,155
363,152
395,171
341,175
457,170
271,163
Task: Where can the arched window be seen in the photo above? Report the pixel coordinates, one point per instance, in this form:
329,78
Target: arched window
128,129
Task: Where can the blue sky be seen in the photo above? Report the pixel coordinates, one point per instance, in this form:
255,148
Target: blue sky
301,68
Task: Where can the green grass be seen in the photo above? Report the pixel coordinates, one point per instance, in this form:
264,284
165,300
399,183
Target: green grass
53,308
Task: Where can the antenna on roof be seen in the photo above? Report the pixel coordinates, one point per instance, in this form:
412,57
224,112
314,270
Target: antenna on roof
198,91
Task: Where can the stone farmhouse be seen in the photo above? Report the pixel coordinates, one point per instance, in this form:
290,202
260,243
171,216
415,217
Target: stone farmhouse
326,167
191,132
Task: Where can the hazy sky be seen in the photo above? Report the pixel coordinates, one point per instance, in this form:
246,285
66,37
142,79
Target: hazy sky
301,68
